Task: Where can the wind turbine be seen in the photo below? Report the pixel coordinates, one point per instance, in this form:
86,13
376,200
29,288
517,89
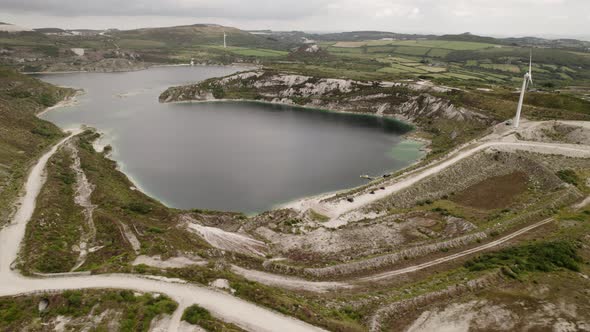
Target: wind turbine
528,78
224,44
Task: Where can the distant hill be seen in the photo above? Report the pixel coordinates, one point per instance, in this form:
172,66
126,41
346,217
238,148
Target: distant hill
50,30
366,35
571,44
468,37
7,27
551,43
202,34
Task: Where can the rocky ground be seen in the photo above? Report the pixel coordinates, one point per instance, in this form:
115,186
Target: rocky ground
552,132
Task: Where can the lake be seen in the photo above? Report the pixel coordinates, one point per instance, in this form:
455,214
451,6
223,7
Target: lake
230,156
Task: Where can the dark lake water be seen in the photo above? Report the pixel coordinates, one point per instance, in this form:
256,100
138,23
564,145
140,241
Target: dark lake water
230,156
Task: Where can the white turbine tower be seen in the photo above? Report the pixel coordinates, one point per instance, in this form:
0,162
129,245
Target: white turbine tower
224,43
528,78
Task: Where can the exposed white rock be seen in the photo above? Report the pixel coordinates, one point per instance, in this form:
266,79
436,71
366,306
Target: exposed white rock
241,76
173,262
312,48
222,284
78,51
130,236
229,241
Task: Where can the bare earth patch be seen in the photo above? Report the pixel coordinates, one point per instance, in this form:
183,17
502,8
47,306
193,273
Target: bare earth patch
493,193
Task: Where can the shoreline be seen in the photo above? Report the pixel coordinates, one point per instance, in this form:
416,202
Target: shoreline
298,203
400,120
140,69
71,100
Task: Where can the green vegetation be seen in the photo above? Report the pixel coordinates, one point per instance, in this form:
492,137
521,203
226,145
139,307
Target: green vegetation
197,315
130,312
543,257
569,176
252,52
303,306
318,216
452,62
23,137
56,224
583,215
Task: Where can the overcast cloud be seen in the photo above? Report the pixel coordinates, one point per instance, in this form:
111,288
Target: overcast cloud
492,17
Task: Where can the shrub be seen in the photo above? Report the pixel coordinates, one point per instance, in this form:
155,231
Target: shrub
568,176
155,230
139,207
542,257
195,314
46,99
42,131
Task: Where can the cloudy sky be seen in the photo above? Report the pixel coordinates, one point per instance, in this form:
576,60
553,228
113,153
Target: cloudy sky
491,17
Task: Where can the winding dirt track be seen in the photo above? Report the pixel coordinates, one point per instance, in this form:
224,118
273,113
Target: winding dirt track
448,258
226,307
337,210
222,305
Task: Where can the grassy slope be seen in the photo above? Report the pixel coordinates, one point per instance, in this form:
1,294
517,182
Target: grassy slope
100,309
56,223
199,34
55,226
23,137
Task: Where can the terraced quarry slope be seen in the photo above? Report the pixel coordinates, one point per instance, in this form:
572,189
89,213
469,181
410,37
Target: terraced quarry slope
470,231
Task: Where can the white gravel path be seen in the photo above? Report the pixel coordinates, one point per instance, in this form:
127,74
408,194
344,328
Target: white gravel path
289,282
337,211
226,307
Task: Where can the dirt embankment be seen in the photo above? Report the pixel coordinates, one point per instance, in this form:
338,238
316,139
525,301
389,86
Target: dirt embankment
556,302
558,132
461,177
395,236
398,309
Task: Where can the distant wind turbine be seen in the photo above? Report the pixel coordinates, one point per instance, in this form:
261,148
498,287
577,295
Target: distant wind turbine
224,43
528,78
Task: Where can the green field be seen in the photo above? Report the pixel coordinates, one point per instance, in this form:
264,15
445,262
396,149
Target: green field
453,61
501,67
412,50
251,52
438,44
449,45
140,43
438,52
18,42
